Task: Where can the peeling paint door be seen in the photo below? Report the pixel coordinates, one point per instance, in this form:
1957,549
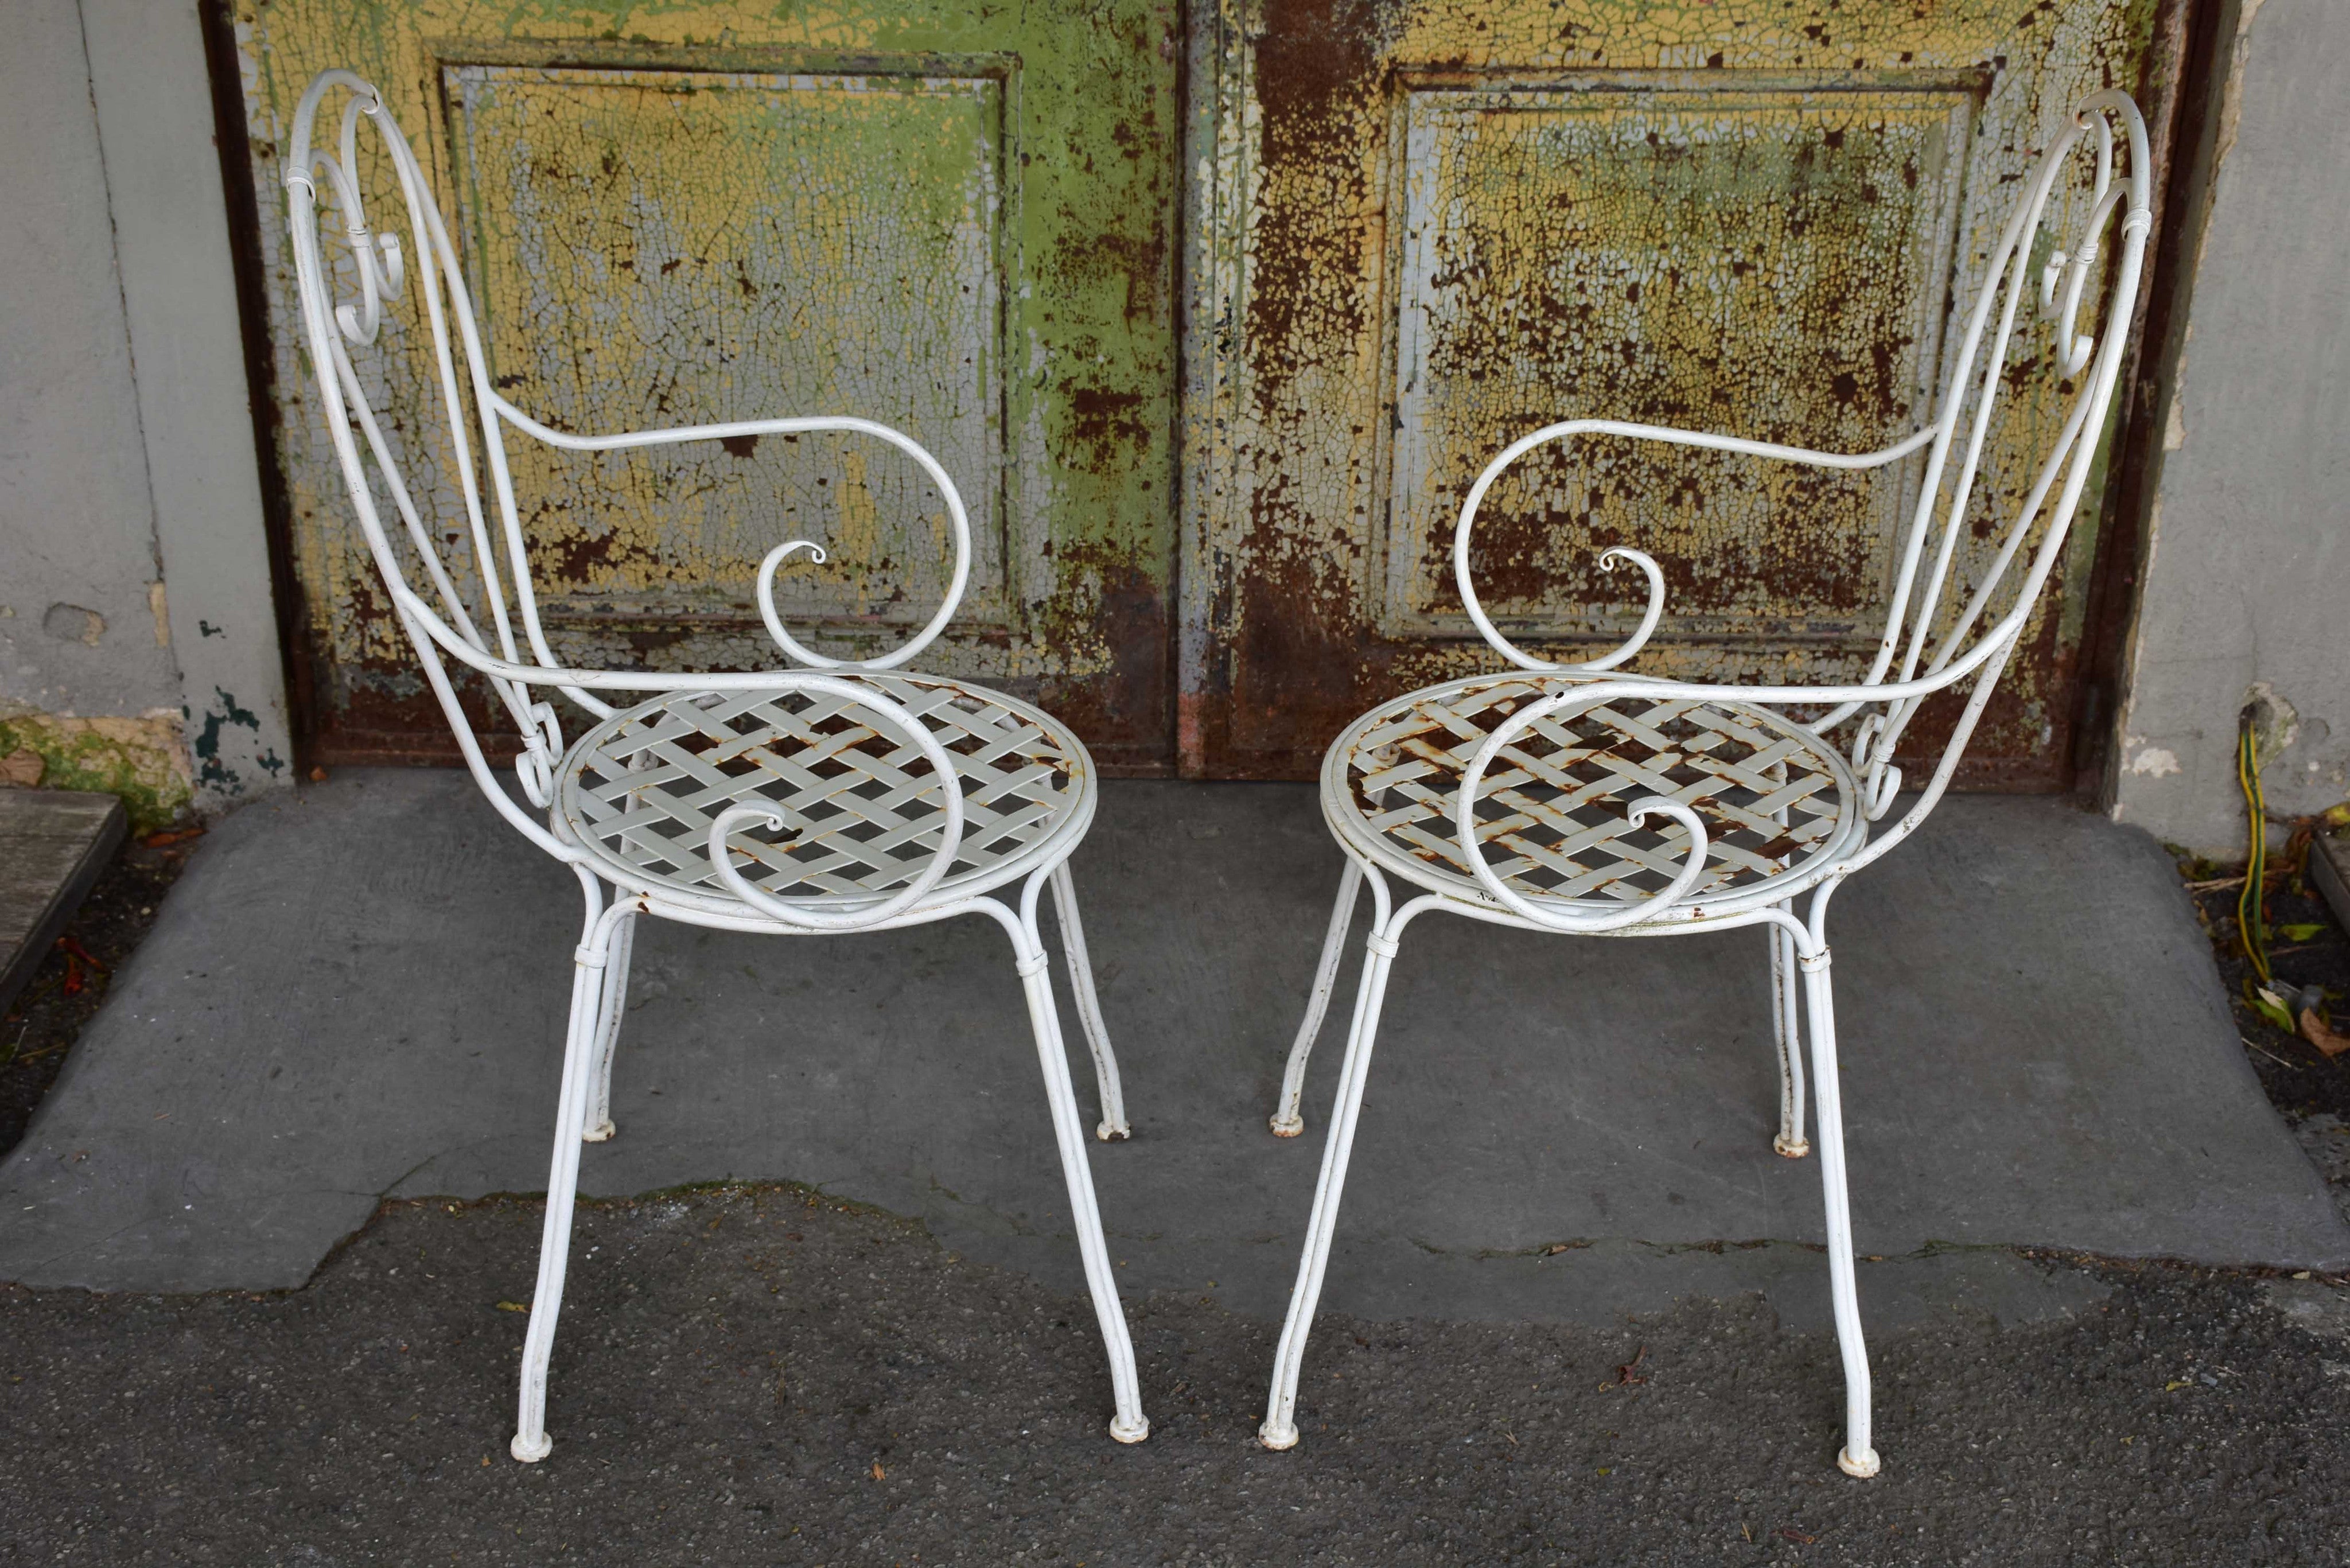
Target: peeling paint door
957,218
1434,226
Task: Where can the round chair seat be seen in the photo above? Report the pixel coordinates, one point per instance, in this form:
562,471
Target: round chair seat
1778,805
639,791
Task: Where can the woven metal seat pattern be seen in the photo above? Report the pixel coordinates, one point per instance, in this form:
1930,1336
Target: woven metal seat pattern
863,809
1551,811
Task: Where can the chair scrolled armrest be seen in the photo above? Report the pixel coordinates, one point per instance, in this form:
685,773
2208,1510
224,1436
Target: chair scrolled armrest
798,913
1607,558
812,424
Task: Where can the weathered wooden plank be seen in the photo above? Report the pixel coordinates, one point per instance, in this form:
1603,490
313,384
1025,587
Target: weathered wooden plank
53,844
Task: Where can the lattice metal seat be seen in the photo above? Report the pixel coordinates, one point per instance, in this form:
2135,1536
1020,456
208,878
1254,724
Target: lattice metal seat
1778,805
841,797
639,791
1561,797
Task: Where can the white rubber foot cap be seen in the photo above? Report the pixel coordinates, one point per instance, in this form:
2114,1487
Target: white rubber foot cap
1287,1126
531,1454
1860,1468
1108,1134
1277,1438
1126,1433
602,1132
1793,1149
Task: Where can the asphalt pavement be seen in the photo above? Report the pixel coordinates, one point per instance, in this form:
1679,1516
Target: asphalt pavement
770,1376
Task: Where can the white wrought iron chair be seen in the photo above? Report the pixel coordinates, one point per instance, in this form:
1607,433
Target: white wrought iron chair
904,798
1554,768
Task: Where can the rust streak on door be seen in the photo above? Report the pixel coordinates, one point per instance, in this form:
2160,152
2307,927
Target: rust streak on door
1442,225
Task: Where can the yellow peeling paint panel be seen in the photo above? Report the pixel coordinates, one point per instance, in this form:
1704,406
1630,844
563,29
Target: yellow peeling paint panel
669,245
1751,257
950,217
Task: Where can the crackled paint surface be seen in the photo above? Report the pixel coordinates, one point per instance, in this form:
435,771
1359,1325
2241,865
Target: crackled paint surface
945,216
1440,224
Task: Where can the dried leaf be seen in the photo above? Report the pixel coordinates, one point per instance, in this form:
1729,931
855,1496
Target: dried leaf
2271,1006
2318,1033
176,835
878,1473
514,1306
1789,1532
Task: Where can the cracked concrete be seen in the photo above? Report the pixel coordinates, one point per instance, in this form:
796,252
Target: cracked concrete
356,991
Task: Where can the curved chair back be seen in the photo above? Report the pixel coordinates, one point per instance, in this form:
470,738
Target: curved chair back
1927,644
502,637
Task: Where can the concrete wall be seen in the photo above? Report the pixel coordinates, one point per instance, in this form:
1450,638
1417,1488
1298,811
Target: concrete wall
138,644
2245,594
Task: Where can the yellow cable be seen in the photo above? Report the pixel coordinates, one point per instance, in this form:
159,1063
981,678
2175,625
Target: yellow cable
2251,920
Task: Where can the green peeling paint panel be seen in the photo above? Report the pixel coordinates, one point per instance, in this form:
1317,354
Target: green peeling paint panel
958,218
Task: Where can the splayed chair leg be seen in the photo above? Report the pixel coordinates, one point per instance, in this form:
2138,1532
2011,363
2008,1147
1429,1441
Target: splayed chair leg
1113,1125
1858,1458
607,1035
1128,1425
1287,1119
589,962
1786,1026
1280,1428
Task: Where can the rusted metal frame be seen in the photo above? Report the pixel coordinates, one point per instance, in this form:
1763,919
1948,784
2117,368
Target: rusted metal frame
380,269
1221,154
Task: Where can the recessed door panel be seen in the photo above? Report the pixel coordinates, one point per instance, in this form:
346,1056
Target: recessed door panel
1432,226
961,220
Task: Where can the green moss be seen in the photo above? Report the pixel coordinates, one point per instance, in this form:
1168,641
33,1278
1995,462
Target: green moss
136,759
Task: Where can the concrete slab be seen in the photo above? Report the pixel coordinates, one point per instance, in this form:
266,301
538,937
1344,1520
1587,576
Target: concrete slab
53,844
358,991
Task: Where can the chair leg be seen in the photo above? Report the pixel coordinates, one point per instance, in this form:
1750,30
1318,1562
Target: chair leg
1786,1025
608,1039
1287,1119
1113,1125
1280,1428
1858,1458
588,990
1129,1425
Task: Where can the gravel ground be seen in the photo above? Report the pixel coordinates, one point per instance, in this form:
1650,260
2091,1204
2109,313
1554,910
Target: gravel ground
766,1375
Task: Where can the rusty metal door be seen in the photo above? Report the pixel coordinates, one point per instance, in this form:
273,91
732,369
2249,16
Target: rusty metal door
957,218
1433,225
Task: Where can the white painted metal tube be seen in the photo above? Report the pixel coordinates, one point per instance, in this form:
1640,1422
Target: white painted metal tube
1287,1119
1786,1028
1128,1425
531,1442
796,425
1113,1126
598,1120
1279,1430
1858,1458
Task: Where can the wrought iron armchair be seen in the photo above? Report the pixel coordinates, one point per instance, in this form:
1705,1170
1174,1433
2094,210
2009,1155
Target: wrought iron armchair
1553,770
901,798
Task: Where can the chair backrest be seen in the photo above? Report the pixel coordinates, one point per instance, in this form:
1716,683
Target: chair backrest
1935,632
501,638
